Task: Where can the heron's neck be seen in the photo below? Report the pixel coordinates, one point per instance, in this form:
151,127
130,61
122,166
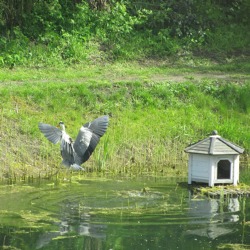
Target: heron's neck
63,127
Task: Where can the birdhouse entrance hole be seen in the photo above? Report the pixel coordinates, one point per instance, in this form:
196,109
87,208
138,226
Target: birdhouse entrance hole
224,169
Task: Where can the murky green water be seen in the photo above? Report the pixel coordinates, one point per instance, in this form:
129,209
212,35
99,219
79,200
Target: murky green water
148,213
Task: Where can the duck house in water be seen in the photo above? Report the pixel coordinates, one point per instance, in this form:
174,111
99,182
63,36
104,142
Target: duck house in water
214,160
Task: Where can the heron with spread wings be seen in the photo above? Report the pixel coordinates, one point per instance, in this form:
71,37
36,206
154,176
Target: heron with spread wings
75,153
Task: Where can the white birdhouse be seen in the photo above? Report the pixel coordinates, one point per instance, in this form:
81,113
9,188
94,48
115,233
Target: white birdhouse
213,160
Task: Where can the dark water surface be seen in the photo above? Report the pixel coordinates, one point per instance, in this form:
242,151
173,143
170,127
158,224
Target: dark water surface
146,213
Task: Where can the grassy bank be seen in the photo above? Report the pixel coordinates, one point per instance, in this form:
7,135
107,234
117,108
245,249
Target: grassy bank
155,112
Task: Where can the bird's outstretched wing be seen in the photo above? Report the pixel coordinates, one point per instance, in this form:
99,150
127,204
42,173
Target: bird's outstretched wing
98,126
88,138
52,133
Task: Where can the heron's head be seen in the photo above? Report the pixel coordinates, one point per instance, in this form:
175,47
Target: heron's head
61,125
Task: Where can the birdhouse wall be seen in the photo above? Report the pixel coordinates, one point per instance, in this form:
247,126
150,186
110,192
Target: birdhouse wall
234,169
204,168
199,168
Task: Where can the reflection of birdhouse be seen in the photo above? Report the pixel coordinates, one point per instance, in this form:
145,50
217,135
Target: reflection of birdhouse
209,212
213,160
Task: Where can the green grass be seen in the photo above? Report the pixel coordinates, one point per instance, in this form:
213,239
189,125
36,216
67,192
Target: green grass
155,112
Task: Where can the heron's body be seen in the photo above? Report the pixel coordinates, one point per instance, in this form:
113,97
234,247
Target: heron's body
74,153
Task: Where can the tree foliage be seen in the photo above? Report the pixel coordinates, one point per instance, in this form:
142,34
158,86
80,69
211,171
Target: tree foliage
121,28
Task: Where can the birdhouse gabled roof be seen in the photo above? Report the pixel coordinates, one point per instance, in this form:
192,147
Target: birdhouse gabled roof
214,145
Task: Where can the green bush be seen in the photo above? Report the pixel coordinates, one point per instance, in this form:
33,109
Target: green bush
68,32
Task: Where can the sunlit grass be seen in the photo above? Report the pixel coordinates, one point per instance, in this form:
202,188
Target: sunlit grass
151,122
145,70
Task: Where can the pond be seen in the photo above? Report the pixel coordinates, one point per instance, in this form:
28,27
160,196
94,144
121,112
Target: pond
98,213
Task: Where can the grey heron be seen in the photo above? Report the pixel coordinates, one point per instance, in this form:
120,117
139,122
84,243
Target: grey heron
74,153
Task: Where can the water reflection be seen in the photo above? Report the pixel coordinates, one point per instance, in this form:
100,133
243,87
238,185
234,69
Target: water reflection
214,216
118,215
79,220
74,224
216,209
207,218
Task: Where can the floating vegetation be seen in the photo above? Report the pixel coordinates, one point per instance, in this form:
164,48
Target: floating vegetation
222,191
9,248
148,211
233,246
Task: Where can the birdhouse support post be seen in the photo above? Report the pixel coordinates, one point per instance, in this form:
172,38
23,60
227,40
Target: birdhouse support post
236,170
211,173
190,169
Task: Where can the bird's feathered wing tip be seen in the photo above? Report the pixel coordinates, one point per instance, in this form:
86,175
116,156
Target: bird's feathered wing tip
99,125
52,133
